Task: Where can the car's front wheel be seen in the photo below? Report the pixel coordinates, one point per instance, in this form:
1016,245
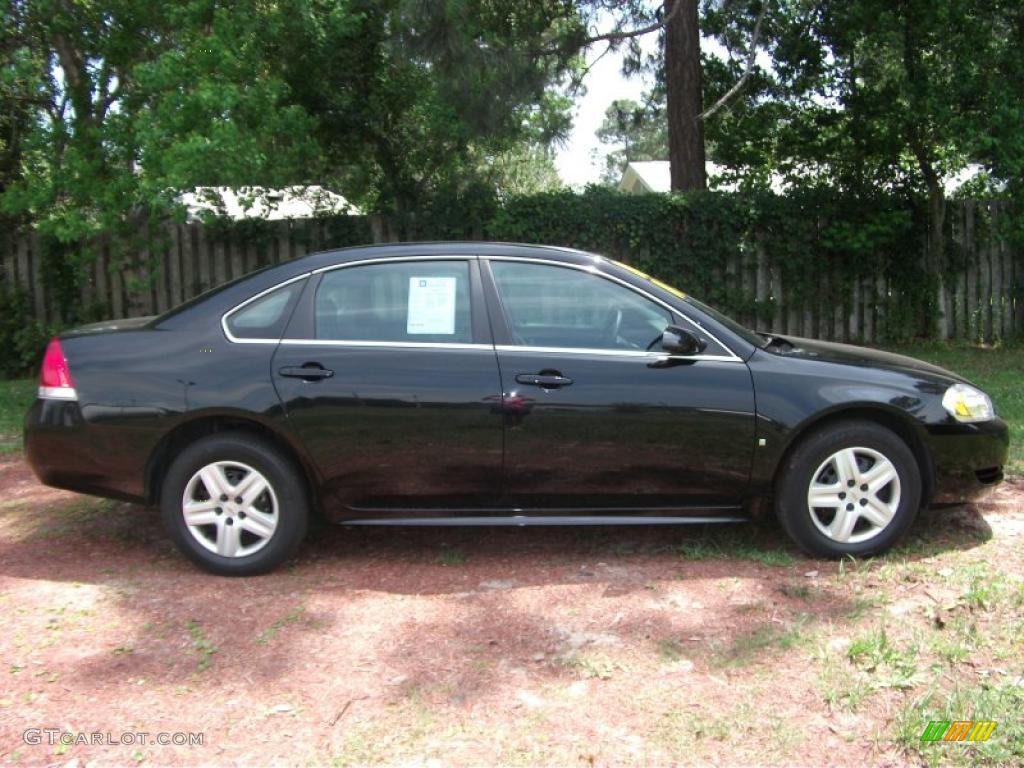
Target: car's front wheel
852,488
234,504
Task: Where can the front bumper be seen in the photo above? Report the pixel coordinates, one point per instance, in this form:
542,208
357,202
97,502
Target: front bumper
967,459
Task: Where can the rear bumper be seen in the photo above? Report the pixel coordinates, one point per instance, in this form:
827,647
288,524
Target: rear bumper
67,451
968,459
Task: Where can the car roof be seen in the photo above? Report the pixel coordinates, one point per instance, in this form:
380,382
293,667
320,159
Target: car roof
221,297
439,248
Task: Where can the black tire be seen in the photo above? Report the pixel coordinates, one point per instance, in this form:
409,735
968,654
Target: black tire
799,470
285,480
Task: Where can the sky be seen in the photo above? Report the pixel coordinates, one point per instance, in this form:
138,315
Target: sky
604,84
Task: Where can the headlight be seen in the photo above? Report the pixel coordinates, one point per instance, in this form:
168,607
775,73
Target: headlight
967,404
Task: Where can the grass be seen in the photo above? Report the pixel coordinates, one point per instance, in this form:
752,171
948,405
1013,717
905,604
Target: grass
1002,702
889,665
593,666
745,647
272,631
997,370
452,557
201,645
742,544
16,395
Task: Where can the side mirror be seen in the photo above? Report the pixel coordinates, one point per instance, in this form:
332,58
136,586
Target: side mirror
680,341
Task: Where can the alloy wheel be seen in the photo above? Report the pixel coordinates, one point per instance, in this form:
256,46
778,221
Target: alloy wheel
854,495
230,509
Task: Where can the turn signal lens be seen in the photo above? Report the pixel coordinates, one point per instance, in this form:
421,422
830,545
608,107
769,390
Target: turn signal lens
55,376
967,404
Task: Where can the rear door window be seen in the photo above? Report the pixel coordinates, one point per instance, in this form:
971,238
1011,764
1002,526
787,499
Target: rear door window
411,302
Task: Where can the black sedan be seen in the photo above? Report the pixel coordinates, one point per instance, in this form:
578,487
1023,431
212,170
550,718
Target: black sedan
493,384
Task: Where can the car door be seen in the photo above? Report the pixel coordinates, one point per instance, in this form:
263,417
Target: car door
596,421
388,375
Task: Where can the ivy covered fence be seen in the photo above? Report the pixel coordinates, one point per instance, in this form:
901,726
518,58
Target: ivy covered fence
813,264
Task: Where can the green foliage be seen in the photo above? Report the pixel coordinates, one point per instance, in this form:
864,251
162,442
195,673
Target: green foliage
16,395
638,131
109,110
22,339
695,241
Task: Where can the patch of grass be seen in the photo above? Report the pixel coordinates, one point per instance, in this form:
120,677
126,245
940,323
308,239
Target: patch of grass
718,543
395,738
690,736
983,591
997,370
841,685
271,632
16,395
955,642
670,650
594,666
798,590
765,637
1002,703
452,557
201,645
889,665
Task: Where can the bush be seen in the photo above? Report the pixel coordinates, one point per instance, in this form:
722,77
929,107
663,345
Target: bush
22,338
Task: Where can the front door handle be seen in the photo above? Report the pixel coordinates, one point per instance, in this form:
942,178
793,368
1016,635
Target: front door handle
308,372
546,380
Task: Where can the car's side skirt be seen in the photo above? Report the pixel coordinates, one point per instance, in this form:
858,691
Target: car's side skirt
529,520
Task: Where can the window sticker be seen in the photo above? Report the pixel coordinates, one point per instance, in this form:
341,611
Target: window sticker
431,305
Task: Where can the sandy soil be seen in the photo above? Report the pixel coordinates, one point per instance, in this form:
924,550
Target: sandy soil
463,647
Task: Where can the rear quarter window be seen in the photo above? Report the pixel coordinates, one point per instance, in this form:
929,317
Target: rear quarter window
266,316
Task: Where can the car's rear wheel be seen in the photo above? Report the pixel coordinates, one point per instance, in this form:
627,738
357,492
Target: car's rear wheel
852,488
234,504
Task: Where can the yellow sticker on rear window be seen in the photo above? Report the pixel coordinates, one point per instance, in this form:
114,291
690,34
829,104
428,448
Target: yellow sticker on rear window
669,288
628,268
648,278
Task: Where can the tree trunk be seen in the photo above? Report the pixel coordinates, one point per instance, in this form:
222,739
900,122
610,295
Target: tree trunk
684,98
936,253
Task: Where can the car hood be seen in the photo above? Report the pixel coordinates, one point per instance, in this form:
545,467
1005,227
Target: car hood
848,354
111,326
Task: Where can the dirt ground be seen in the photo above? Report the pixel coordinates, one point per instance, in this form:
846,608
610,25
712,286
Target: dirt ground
514,646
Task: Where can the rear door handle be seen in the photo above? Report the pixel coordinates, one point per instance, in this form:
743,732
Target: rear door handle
309,372
546,380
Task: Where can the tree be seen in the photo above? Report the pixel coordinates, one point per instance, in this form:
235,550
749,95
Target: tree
684,96
111,108
134,101
870,95
638,130
679,67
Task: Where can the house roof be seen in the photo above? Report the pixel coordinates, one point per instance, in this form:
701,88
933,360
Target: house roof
646,176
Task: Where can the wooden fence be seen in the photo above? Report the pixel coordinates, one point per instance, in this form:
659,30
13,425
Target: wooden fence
983,301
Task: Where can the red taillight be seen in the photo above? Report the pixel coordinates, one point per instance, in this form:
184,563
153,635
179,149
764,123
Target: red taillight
55,376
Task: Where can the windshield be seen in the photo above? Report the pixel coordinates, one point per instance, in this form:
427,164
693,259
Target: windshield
742,331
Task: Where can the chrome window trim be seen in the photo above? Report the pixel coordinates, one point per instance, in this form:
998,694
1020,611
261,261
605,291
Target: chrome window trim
224,318
387,344
590,269
593,270
394,260
650,355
